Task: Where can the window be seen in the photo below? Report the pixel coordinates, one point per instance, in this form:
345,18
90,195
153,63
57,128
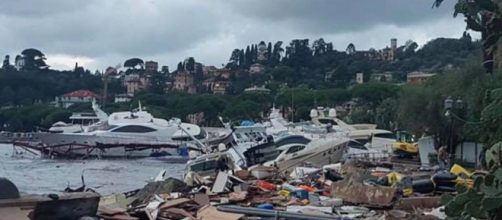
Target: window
134,129
238,136
357,145
204,166
295,149
199,136
202,134
385,135
327,121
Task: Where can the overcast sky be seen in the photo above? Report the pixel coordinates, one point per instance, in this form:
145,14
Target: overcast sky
101,33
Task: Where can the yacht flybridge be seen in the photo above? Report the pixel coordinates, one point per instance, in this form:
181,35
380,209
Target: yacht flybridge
80,121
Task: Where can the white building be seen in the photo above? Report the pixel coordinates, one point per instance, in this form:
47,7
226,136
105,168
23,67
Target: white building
418,77
122,98
359,78
262,51
75,97
256,68
256,89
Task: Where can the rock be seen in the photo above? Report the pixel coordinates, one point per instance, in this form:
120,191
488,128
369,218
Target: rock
161,187
9,190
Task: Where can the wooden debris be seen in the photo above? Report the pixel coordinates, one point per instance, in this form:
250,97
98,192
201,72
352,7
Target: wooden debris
174,203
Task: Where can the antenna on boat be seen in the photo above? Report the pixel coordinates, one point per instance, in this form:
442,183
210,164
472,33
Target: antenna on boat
201,145
292,105
225,125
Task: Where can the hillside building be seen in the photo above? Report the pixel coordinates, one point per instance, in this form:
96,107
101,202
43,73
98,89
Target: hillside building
75,97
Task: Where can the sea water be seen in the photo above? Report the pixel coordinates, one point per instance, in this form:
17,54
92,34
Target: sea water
33,175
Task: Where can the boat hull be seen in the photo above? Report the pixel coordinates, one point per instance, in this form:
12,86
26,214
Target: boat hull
323,152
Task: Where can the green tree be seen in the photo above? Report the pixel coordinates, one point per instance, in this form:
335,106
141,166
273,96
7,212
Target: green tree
351,49
269,51
134,63
386,117
7,96
319,47
483,16
33,59
375,93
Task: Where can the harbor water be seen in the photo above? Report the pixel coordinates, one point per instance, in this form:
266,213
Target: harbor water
34,175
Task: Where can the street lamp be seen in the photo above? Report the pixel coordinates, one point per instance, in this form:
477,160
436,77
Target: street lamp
448,103
452,108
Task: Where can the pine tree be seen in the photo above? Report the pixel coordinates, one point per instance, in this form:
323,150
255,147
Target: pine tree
247,56
241,59
269,51
180,67
253,58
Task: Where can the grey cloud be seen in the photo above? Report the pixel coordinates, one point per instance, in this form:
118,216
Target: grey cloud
117,28
40,8
175,29
333,16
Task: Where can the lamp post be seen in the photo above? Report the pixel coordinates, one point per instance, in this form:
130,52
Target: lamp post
452,108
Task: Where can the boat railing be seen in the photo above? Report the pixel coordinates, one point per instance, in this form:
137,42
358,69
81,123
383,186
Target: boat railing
370,156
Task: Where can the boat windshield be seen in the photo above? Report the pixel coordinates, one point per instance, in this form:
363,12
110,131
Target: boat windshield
204,166
262,153
211,164
201,135
101,126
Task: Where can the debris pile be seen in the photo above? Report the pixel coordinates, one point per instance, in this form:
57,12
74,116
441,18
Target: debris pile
333,192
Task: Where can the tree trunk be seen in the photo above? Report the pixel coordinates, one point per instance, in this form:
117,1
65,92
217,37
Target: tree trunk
497,55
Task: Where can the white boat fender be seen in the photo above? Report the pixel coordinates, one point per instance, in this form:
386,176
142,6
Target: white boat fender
222,147
193,154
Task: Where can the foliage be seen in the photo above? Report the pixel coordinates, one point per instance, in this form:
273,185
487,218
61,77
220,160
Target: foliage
420,110
483,16
33,59
134,63
374,93
483,201
28,87
491,116
307,63
31,118
385,115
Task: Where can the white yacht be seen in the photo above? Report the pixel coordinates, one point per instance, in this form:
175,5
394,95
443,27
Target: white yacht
324,123
291,151
252,147
126,134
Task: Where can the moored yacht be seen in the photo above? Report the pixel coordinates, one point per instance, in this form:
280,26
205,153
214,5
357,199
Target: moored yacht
127,134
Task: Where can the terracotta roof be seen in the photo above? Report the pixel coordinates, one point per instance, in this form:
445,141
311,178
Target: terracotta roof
81,93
